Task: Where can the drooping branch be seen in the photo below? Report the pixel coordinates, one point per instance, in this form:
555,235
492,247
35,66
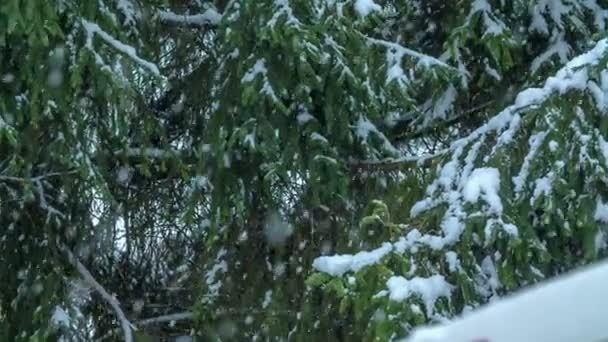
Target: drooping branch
126,325
93,29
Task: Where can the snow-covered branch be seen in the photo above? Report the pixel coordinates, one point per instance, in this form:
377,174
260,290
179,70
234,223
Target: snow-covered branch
210,17
150,152
88,277
94,29
182,316
424,59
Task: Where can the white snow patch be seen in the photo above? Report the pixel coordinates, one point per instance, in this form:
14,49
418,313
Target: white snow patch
542,186
484,182
558,46
304,118
453,261
553,145
258,68
542,312
535,141
318,137
601,211
365,7
429,289
444,103
267,299
60,317
337,265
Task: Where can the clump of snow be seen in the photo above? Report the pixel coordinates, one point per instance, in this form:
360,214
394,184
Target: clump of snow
304,117
214,284
484,182
553,145
318,137
444,103
258,68
267,299
337,265
453,261
452,227
601,211
60,317
365,7
123,174
600,92
209,17
493,27
543,186
429,289
535,142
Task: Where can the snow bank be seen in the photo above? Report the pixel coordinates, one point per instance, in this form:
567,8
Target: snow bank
570,308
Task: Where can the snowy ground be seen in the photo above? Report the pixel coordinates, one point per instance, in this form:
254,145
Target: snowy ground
570,308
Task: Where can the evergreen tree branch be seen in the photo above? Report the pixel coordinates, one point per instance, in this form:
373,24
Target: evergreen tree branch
210,17
401,132
88,277
181,316
395,164
425,59
93,29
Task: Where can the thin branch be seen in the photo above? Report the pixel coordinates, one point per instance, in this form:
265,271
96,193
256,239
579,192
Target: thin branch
425,59
182,316
210,17
86,275
396,164
36,178
408,135
94,29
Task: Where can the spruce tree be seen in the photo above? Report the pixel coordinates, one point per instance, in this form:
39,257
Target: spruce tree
292,170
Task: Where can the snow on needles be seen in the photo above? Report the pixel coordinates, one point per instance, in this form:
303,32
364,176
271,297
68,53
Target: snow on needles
93,28
365,7
429,289
458,181
337,265
484,182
